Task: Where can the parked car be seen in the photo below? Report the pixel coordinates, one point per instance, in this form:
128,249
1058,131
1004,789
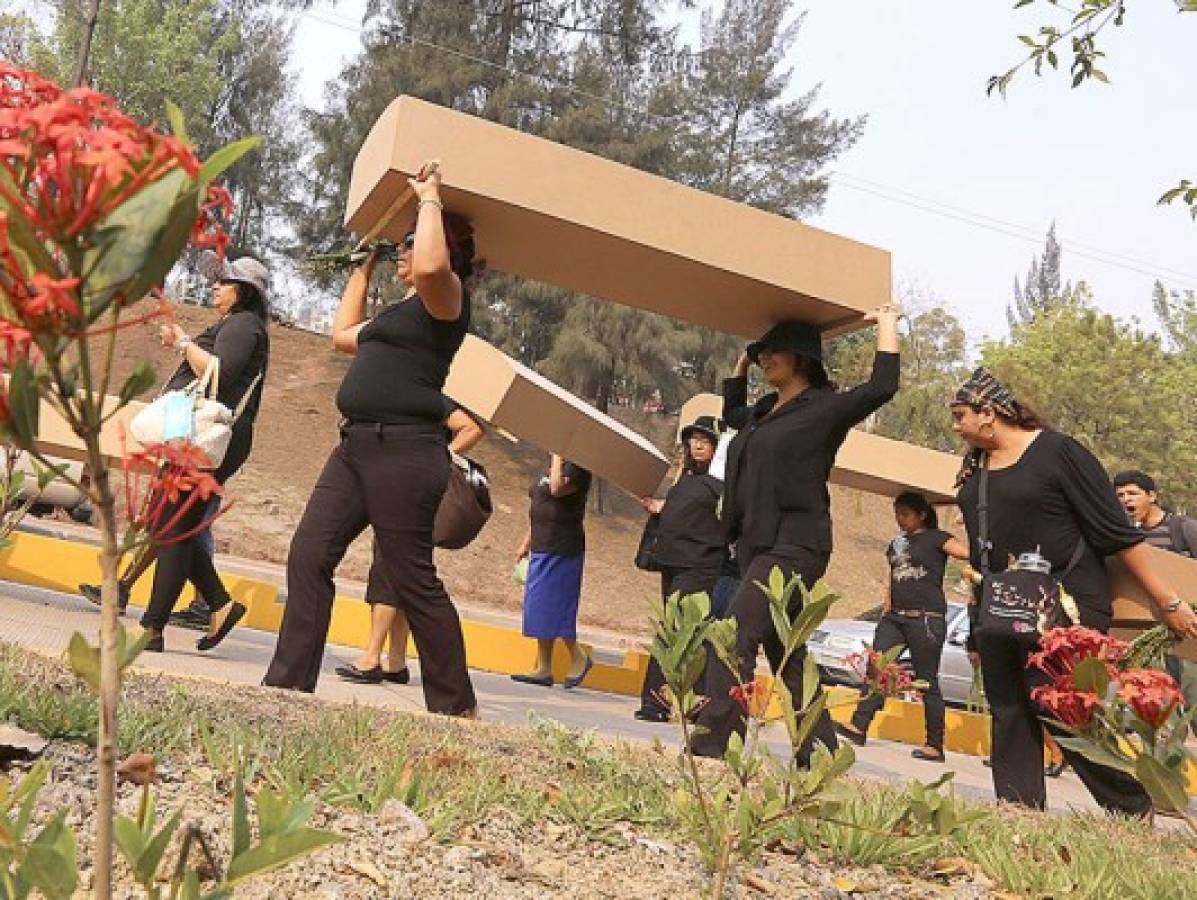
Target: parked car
58,494
837,640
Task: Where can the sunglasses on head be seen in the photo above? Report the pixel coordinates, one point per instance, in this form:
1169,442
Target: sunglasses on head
409,241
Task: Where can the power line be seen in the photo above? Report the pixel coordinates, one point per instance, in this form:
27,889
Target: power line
852,182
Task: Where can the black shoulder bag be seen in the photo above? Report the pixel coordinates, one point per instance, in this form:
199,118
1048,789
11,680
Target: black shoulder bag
1017,605
646,552
465,506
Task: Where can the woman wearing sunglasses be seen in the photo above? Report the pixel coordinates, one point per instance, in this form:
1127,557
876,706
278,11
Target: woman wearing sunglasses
391,467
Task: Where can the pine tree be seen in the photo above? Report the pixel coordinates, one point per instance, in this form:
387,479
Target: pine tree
1043,287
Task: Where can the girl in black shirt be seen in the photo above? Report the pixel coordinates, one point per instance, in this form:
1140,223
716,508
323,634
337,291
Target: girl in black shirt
915,606
690,547
392,466
776,507
1048,493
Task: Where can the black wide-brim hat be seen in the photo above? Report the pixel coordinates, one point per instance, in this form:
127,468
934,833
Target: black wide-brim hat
707,425
799,338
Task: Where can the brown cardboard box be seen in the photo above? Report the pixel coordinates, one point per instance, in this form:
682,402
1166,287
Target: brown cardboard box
866,461
1133,609
512,397
578,221
55,437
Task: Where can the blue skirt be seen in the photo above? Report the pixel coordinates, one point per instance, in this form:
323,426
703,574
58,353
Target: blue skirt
551,595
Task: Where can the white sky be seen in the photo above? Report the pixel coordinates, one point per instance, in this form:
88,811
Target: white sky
1095,159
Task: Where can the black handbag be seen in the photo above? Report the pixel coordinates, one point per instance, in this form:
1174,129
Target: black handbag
1020,604
465,507
646,551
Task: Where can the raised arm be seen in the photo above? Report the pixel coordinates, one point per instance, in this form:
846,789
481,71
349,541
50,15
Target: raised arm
735,395
351,313
863,400
435,281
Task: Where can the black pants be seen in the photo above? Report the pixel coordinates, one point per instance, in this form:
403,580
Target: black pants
923,637
1017,733
391,478
181,561
754,628
683,581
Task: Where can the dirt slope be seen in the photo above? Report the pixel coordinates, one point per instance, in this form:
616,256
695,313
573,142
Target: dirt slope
297,428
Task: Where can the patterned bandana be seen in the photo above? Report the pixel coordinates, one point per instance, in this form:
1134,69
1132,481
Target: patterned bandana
982,389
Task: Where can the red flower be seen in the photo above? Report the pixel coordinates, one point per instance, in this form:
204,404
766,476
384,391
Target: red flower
753,697
1152,694
1061,649
891,680
1065,703
157,478
53,298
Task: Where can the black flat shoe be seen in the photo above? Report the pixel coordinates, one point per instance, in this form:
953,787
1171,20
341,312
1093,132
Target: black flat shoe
850,734
921,753
538,680
399,676
1055,770
209,641
91,593
157,644
651,715
574,680
350,672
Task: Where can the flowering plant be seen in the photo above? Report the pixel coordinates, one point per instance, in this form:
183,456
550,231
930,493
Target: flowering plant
95,208
1119,715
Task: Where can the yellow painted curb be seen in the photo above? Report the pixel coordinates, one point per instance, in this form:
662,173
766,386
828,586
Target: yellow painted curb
62,565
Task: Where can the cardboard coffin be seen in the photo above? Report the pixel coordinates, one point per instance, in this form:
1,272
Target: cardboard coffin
55,437
572,219
867,462
1133,609
510,396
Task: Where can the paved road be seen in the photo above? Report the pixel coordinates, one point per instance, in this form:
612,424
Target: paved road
44,620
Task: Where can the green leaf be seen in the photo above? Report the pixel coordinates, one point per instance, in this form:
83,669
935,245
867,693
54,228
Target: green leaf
128,653
1091,675
240,811
31,253
178,125
1166,786
142,379
224,158
84,660
49,863
46,475
151,856
1097,754
278,850
23,403
129,840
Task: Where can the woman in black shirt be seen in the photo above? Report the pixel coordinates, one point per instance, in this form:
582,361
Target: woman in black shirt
240,342
776,508
556,551
391,467
690,547
1049,494
914,612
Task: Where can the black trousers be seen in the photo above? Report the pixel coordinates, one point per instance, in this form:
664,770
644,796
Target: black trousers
181,561
923,637
391,478
683,581
754,629
1017,733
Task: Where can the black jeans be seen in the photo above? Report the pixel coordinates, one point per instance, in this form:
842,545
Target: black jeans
754,629
1017,732
392,478
683,581
923,637
181,561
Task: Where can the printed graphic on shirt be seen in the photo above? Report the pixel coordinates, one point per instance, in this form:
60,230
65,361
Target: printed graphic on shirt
903,567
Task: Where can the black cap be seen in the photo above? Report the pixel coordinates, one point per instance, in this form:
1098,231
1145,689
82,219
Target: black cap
708,425
800,339
1133,476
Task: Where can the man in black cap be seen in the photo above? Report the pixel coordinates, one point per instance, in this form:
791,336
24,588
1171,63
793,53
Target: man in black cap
776,506
690,548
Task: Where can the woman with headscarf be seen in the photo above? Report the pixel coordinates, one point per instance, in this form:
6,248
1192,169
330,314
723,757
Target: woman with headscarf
776,507
1025,489
690,547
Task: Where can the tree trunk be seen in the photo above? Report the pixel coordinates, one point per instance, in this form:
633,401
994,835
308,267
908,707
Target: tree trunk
110,674
602,402
89,29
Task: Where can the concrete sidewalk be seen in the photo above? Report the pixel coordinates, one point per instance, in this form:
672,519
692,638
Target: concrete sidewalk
44,620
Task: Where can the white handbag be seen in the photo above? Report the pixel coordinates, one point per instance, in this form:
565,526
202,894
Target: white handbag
193,414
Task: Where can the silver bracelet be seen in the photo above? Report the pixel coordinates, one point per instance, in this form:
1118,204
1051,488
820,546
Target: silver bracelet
1173,606
428,201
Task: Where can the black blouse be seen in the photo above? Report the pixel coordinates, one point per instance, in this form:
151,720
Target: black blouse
557,521
402,360
690,534
917,563
778,465
1055,495
241,343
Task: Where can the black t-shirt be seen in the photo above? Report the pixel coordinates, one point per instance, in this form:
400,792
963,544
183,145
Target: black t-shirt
402,360
916,566
1055,495
557,521
241,343
690,534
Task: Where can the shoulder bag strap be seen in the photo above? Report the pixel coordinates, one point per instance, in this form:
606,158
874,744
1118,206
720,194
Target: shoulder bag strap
208,384
1077,555
245,398
983,514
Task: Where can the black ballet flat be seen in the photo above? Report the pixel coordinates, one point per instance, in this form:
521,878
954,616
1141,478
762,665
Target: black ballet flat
399,676
850,734
350,672
921,753
647,714
210,641
538,680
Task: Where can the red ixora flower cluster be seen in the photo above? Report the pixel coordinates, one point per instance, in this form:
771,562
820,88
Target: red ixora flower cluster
156,478
1062,650
890,680
753,697
1152,694
69,158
